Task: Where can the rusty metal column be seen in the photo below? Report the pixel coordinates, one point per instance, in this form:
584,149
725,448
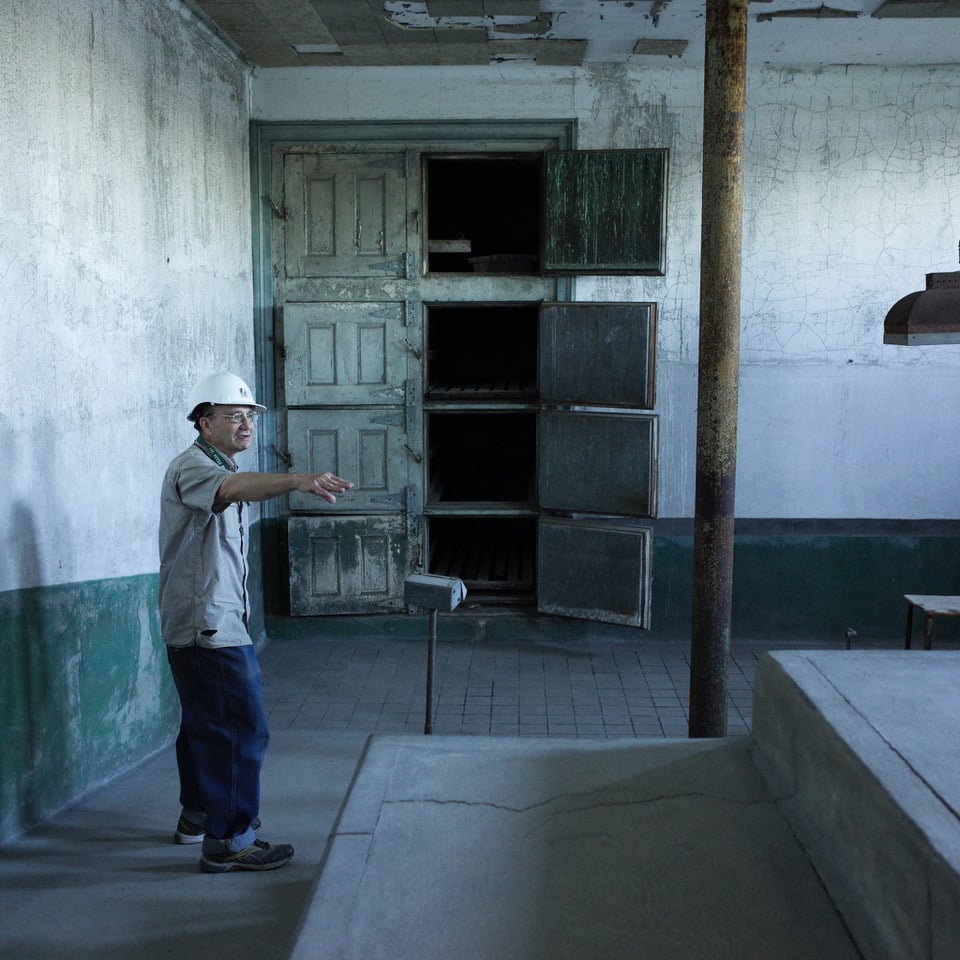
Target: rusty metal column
724,97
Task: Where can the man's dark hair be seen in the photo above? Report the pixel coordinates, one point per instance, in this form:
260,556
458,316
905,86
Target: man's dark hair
200,410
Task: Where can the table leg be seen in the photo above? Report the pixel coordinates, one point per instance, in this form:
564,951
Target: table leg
906,644
928,631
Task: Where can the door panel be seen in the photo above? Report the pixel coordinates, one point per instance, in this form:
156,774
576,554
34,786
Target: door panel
344,353
599,354
366,446
347,564
345,214
597,462
596,570
605,211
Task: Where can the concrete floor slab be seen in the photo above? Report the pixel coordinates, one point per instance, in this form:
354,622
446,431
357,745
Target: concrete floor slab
486,847
104,879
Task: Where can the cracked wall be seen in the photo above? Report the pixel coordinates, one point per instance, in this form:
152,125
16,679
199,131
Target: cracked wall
852,195
124,271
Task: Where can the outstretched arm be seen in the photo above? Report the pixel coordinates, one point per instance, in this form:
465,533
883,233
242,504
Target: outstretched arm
246,487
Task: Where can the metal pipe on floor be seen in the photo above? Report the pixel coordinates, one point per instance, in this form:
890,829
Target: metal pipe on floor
724,85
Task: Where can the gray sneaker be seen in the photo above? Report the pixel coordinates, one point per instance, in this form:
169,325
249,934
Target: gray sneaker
260,855
187,832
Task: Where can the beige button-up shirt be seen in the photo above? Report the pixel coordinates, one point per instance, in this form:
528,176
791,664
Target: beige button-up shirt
203,556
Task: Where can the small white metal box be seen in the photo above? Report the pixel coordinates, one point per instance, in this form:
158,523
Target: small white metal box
431,592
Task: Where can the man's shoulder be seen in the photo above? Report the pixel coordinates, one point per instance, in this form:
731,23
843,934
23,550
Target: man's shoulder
194,464
193,455
192,480
185,456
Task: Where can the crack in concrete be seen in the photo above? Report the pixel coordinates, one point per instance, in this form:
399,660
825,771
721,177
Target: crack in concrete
596,805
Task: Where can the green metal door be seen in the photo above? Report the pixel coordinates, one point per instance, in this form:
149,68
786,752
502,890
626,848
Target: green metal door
347,564
345,353
597,449
345,214
605,211
347,349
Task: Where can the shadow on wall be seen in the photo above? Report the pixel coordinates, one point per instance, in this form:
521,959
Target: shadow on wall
36,721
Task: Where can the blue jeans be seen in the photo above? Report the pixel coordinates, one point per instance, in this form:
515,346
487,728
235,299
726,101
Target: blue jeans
222,741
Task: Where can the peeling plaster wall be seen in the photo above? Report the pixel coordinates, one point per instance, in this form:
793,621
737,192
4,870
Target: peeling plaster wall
124,270
125,273
852,195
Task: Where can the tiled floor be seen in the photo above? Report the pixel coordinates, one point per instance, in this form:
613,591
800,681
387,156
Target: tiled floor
524,689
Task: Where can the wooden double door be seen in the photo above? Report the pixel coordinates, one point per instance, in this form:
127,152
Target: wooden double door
494,428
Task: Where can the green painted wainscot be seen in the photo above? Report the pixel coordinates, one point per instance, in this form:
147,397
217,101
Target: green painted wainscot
84,692
794,580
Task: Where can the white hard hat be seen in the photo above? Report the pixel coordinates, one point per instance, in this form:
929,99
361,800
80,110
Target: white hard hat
226,388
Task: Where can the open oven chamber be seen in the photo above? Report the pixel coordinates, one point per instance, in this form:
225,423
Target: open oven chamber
527,472
481,413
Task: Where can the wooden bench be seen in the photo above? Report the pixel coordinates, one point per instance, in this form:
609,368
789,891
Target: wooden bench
932,606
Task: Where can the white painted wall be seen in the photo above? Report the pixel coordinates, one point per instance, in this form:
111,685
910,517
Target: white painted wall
852,195
125,252
125,270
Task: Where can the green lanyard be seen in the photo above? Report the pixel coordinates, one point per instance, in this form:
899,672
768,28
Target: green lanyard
214,454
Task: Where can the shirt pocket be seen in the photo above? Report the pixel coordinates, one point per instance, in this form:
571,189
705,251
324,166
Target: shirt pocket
231,522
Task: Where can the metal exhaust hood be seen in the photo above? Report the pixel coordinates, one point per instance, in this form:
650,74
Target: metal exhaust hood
927,316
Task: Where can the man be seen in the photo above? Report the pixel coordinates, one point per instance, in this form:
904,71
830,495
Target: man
203,620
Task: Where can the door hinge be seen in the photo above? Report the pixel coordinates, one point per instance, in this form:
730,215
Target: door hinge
285,458
278,348
387,266
410,308
414,528
281,213
390,500
411,413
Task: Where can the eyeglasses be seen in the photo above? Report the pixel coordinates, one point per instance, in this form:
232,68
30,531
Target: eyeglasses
238,417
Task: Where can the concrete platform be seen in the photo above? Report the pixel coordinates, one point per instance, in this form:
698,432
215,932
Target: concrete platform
482,848
863,752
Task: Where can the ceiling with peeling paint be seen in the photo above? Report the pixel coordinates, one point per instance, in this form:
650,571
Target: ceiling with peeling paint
782,33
